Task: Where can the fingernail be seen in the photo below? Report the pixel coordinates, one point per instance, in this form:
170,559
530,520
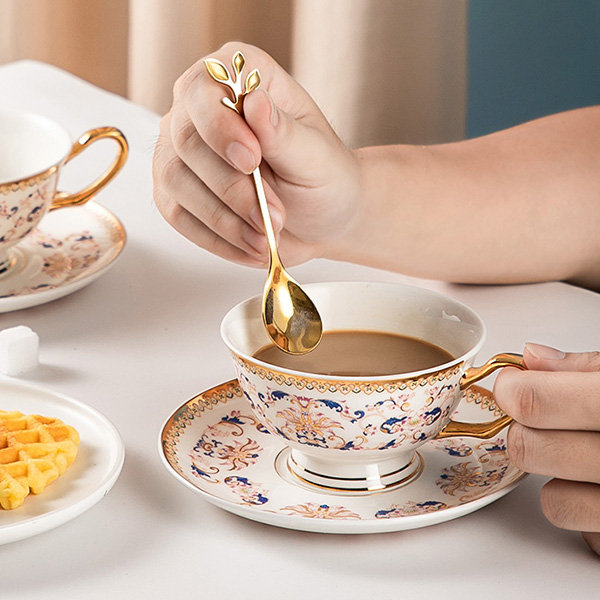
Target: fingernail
274,111
546,352
256,218
256,241
240,157
276,220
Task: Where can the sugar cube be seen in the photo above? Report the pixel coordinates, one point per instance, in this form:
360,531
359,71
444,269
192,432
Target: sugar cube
19,349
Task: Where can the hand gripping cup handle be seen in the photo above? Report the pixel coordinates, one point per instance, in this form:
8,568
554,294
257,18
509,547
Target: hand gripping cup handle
471,376
62,199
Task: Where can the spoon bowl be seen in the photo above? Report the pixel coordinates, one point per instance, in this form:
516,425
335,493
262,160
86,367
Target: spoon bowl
290,317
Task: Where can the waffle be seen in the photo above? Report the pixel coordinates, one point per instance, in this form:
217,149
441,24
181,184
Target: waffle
34,451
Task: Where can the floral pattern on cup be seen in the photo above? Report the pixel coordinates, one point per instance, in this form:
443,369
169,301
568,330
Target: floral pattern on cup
383,423
21,211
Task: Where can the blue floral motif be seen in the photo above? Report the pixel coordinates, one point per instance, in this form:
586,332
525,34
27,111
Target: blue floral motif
248,491
431,416
391,425
410,508
459,449
321,422
331,404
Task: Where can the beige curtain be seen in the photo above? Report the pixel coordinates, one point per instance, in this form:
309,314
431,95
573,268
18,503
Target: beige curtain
384,71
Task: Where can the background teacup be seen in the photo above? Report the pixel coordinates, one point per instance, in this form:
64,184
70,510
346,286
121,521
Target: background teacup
361,434
32,151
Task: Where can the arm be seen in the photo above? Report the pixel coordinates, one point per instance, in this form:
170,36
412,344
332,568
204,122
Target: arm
519,205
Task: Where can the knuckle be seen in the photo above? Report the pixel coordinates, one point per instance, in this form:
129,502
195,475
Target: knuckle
234,192
184,136
518,450
170,210
212,243
160,200
594,360
165,124
185,81
157,160
170,172
516,396
554,505
525,407
216,218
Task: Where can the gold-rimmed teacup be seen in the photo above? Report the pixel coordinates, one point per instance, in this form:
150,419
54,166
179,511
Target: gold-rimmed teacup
357,435
33,150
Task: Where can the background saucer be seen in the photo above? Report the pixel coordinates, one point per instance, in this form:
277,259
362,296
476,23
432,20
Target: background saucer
71,248
215,446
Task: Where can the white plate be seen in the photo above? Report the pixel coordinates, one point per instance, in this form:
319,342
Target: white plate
85,482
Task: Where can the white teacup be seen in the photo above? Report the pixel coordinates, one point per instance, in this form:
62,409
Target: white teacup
361,434
32,151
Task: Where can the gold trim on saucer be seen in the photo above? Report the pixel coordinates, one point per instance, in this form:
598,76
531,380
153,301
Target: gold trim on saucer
193,408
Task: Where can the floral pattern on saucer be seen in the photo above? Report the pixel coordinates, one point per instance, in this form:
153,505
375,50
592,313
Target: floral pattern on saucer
69,249
312,510
216,446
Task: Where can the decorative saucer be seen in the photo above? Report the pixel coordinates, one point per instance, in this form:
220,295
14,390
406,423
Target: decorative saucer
71,248
214,445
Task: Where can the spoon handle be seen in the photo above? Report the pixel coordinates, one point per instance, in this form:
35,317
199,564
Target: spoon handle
264,209
238,89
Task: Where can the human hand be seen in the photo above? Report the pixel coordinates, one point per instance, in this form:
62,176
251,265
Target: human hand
556,408
206,151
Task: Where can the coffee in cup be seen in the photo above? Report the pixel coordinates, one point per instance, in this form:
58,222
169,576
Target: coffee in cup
359,354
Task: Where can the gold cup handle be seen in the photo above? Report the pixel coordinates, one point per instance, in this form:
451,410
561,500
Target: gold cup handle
62,199
472,375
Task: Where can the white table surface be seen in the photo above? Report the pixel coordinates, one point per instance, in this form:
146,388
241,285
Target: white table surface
144,338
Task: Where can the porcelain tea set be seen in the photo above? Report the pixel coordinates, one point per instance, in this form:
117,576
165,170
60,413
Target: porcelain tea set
294,449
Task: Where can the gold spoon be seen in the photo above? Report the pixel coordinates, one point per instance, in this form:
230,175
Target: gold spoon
291,319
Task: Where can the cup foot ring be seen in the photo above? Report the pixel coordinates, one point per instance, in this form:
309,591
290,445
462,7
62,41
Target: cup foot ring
289,470
12,263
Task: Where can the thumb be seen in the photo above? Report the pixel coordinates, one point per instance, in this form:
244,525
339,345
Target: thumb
301,154
546,358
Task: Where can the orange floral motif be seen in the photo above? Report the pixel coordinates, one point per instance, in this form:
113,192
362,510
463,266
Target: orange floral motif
238,455
460,477
63,260
312,510
56,264
410,508
304,423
